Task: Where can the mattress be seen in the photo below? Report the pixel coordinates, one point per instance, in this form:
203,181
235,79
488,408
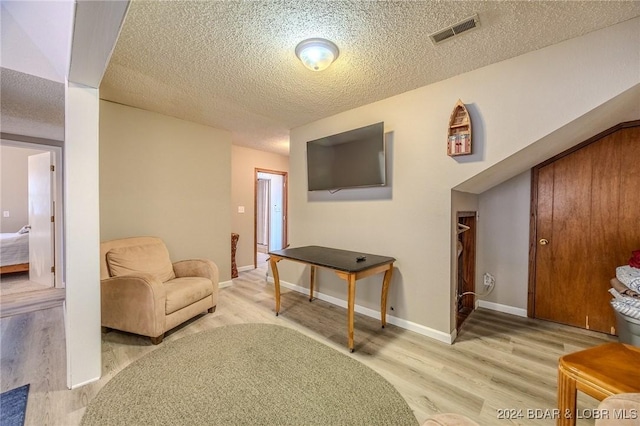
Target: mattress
14,248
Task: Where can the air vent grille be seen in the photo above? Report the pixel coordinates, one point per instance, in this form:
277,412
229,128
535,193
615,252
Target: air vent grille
455,29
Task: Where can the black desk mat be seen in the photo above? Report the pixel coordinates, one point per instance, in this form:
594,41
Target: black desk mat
341,260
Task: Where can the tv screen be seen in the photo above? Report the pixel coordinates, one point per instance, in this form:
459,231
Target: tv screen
347,160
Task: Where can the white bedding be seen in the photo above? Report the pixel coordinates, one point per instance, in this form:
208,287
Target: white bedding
629,276
14,249
626,305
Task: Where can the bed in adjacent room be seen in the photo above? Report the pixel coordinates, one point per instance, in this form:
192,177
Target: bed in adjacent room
14,252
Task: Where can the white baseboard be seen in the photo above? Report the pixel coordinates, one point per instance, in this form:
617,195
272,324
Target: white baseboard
224,284
503,308
402,323
246,268
79,385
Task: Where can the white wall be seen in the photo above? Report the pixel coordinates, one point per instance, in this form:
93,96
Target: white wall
82,236
503,243
513,104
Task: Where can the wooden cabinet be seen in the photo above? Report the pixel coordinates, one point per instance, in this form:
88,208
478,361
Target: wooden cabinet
459,131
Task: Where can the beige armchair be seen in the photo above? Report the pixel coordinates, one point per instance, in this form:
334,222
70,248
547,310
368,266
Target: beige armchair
142,292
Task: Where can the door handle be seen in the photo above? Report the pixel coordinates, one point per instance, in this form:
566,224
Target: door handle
543,241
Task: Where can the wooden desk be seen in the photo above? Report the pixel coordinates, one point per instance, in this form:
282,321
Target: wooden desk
600,371
345,264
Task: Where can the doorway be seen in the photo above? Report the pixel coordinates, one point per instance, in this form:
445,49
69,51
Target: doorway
584,224
466,266
270,218
31,217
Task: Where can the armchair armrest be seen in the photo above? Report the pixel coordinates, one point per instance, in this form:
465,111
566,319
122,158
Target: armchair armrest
627,404
134,303
197,268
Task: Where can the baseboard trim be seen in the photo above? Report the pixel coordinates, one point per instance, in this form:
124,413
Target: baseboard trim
402,323
246,268
503,308
224,284
86,382
31,301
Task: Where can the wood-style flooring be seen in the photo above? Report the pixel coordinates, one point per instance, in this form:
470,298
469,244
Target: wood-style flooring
18,282
498,362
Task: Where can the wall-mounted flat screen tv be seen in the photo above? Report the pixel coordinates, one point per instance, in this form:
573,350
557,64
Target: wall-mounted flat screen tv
351,159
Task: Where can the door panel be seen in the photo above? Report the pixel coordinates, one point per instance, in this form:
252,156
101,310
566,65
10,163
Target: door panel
567,242
40,214
605,183
545,294
629,207
587,208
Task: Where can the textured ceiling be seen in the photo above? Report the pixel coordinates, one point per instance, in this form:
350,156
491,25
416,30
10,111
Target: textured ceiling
231,65
30,105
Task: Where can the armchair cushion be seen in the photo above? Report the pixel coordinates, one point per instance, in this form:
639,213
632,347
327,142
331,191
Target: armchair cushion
152,258
183,292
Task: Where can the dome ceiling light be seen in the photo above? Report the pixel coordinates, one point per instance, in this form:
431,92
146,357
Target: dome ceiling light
317,53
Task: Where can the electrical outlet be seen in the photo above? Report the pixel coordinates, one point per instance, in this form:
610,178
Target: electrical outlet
6,213
489,280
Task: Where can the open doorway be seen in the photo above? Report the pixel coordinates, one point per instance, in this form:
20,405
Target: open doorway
270,220
31,244
466,266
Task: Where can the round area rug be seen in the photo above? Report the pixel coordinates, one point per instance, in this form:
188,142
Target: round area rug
248,374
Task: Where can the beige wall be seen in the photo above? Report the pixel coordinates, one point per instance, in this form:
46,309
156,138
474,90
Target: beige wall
503,242
514,104
169,178
244,163
14,195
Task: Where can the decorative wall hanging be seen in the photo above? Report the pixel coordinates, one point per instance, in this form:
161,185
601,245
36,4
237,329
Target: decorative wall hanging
459,131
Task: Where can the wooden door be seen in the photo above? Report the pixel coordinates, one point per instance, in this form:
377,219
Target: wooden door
585,220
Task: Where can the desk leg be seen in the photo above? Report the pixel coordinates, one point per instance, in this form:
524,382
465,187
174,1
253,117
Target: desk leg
351,279
276,281
312,283
383,297
566,400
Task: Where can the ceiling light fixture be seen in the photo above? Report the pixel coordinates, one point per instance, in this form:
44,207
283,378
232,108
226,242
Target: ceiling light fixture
317,53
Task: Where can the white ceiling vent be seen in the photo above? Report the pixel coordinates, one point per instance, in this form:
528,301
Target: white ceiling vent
455,29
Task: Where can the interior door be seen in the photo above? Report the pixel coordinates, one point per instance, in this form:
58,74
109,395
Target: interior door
262,212
41,258
586,224
276,213
274,216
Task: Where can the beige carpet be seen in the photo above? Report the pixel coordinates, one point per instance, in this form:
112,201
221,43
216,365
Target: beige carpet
248,374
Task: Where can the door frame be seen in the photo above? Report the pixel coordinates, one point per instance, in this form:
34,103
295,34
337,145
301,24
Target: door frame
56,149
533,237
285,208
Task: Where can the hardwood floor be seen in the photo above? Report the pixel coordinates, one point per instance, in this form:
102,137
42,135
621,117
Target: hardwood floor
498,362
